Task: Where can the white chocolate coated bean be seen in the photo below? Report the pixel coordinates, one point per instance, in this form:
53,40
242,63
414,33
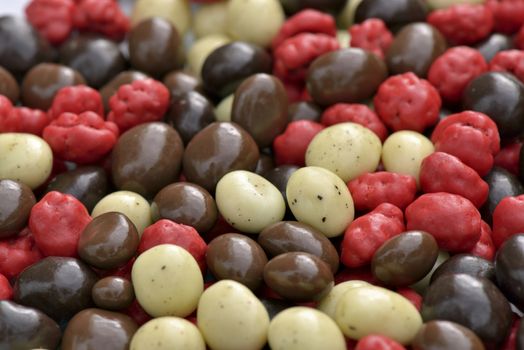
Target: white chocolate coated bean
210,19
167,333
328,304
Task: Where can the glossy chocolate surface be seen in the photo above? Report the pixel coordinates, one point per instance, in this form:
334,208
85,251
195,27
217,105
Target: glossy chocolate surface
394,13
179,83
509,269
8,85
113,293
304,111
502,184
468,264
495,43
16,201
440,335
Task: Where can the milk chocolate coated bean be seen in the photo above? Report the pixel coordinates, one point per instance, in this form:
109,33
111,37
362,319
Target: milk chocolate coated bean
8,85
304,111
437,335
16,201
502,184
394,13
113,293
179,83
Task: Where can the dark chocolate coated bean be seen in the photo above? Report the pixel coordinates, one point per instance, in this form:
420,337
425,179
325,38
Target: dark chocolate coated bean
274,306
179,83
279,177
509,269
502,184
113,293
440,335
16,201
520,337
294,6
304,111
265,164
468,264
494,44
394,13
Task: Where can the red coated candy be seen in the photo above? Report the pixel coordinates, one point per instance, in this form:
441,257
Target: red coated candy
360,273
410,294
6,291
53,19
406,102
371,35
508,157
378,342
18,253
140,102
293,57
442,172
463,24
290,147
485,248
367,233
76,99
508,219
452,71
451,219
519,39
5,107
306,21
355,113
137,313
84,138
511,340
508,15
372,189
169,232
21,119
57,221
511,61
101,16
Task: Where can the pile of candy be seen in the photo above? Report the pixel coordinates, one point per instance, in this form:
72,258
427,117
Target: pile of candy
306,174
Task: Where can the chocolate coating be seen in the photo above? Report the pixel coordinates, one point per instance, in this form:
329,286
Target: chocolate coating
260,107
108,241
23,328
509,268
394,13
236,257
502,184
298,276
293,236
347,75
179,83
227,66
186,203
279,177
274,306
43,81
495,43
21,47
58,286
304,111
405,259
468,264
520,337
501,97
125,77
265,164
153,46
97,59
8,85
294,6
95,329
440,335
113,293
16,201
414,49
88,184
219,148
146,158
189,114
475,303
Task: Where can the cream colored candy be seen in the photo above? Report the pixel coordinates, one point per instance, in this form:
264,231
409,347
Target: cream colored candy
249,202
343,38
133,205
374,310
328,304
177,12
319,198
346,18
403,152
441,4
224,108
168,333
422,285
210,19
304,328
347,149
231,317
254,21
26,158
201,49
167,281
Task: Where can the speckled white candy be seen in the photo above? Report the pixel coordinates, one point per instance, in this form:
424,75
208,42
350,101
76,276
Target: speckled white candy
167,333
210,19
328,304
167,281
319,198
231,317
26,158
248,201
201,49
177,12
347,149
403,152
374,310
304,328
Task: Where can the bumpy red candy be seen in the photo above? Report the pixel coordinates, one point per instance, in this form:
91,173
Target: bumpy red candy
463,24
57,221
26,120
6,291
360,273
305,21
371,35
137,313
378,342
293,57
140,102
101,16
290,147
355,113
442,172
508,219
367,233
372,189
406,102
53,19
76,99
508,15
168,232
17,253
5,107
451,219
451,72
81,138
485,248
511,340
511,61
508,157
410,294
519,39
